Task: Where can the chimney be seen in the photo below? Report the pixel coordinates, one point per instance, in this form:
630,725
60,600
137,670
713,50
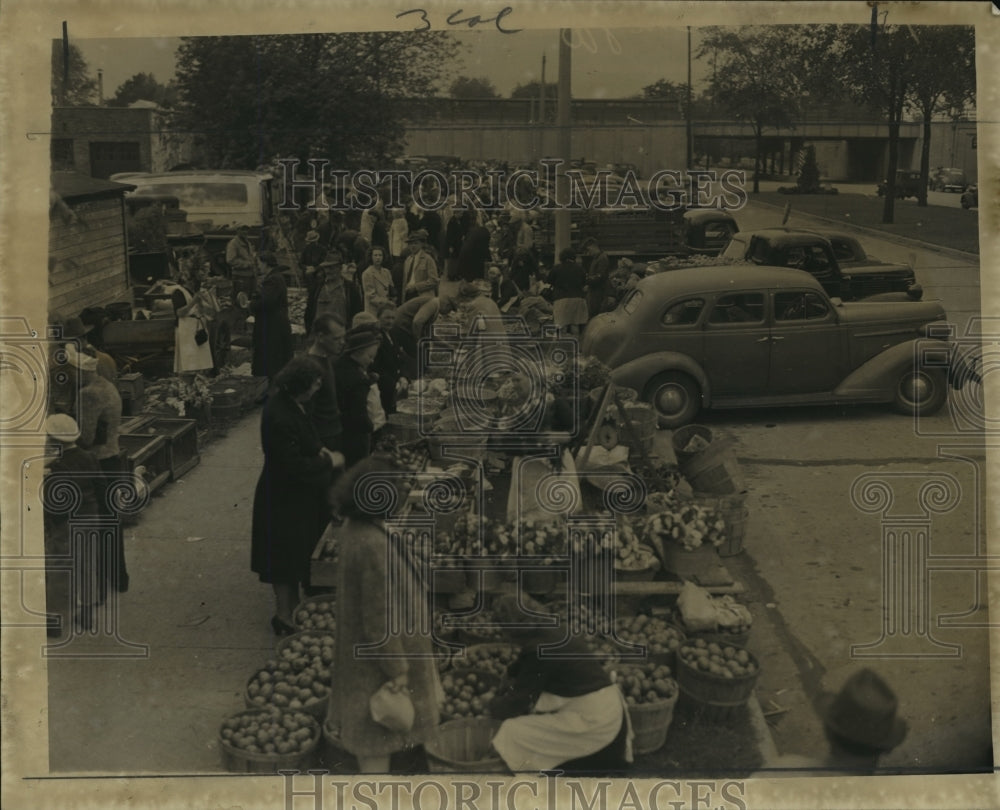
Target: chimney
100,87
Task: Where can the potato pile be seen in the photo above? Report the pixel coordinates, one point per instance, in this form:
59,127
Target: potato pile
630,554
476,535
721,660
647,683
494,660
298,677
467,694
316,614
272,732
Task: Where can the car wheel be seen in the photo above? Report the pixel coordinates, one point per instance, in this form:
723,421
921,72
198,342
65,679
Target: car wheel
921,392
675,397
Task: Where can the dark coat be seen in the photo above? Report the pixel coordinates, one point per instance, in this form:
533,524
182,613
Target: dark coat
289,505
272,331
388,364
474,255
353,384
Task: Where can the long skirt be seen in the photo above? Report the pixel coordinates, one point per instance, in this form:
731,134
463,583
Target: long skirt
570,728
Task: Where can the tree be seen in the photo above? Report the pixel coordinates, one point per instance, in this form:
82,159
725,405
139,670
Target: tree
144,87
757,78
876,66
465,87
76,86
333,96
533,90
945,80
808,180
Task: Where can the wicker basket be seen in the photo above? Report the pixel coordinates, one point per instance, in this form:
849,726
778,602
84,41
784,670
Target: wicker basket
313,600
639,574
236,760
463,746
316,707
734,512
716,696
650,721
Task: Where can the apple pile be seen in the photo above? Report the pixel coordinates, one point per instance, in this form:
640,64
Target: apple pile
656,634
299,676
316,614
270,732
646,683
494,660
467,694
721,660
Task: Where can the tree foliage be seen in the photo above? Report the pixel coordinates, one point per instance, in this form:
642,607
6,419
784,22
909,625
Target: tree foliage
144,87
808,179
533,89
331,96
468,87
757,77
76,86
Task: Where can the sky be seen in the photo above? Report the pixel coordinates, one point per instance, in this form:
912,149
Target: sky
605,65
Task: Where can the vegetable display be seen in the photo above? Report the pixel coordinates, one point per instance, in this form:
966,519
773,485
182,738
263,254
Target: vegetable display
300,674
273,732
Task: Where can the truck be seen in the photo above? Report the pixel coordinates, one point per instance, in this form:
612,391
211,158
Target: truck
644,234
836,259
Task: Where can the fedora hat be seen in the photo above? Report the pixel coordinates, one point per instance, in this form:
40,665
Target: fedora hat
75,327
419,235
63,427
360,337
864,712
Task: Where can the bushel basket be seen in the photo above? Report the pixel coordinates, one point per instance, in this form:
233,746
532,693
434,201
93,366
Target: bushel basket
717,696
238,760
463,746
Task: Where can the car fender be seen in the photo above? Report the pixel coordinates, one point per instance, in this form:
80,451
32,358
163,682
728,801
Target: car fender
637,373
877,378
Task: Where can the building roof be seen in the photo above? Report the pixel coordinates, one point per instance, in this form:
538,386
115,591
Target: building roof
74,185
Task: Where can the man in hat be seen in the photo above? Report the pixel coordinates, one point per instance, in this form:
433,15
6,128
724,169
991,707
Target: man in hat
329,296
241,257
354,383
84,474
75,329
99,417
420,271
861,723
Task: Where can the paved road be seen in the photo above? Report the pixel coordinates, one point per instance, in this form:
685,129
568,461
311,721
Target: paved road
814,561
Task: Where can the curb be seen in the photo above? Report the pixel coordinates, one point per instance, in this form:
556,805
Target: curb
762,732
877,234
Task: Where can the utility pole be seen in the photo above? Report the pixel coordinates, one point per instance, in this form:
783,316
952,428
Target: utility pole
565,142
541,116
687,111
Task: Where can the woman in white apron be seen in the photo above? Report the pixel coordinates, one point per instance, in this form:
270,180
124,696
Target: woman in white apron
192,347
558,712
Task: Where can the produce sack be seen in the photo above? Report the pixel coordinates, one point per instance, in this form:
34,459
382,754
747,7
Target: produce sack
392,708
697,610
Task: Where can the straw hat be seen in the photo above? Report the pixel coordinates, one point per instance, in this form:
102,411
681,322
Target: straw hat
62,427
864,712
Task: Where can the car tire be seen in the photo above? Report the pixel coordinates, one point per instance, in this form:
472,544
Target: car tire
920,393
675,397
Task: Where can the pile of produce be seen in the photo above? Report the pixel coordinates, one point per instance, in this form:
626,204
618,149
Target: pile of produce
467,694
476,536
682,521
630,554
316,614
299,676
270,732
646,683
655,633
328,549
722,660
494,659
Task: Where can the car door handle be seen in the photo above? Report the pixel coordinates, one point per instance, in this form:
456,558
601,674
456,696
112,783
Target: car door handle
777,337
764,339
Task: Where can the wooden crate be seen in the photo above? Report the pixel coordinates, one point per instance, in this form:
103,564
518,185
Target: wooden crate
132,406
131,385
182,443
151,452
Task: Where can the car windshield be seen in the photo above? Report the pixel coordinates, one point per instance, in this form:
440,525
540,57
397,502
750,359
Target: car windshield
200,195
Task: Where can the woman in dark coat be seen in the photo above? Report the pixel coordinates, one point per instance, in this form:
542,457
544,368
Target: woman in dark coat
272,331
290,509
475,253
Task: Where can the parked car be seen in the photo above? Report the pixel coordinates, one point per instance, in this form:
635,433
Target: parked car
835,258
729,336
970,198
907,184
948,180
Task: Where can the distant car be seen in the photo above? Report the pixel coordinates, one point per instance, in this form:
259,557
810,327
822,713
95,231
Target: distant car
970,198
907,184
952,180
726,337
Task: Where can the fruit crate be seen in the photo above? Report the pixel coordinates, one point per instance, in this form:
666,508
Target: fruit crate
151,452
182,443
